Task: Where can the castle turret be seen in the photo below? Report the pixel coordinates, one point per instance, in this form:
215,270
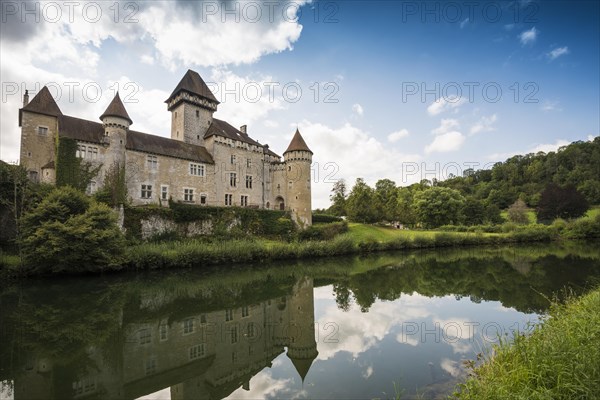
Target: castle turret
192,105
116,122
298,159
302,346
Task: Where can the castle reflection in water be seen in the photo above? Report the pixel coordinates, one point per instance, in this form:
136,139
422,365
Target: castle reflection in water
195,354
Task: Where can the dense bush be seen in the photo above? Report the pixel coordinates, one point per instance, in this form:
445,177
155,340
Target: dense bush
325,218
323,232
69,232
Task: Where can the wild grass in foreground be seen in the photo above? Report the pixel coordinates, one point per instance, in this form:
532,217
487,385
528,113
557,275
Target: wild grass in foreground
559,360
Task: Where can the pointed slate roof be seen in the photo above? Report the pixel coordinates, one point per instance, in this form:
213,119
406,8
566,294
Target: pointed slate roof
298,143
302,366
43,103
193,83
116,109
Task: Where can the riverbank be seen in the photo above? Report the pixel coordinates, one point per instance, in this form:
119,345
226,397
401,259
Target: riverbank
359,239
559,360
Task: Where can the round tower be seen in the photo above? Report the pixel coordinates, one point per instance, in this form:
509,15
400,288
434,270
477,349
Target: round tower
302,346
116,122
298,159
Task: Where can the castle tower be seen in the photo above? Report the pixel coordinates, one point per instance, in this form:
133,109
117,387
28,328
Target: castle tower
39,120
192,105
116,122
302,348
298,159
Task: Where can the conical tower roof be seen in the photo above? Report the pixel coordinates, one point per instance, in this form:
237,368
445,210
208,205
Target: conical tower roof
193,83
298,143
43,103
302,365
116,109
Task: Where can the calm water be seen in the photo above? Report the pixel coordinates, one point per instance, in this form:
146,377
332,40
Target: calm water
359,327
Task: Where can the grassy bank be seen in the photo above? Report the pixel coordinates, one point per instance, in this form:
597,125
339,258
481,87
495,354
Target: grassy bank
559,360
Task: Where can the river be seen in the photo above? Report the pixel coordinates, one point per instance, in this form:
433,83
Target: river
382,326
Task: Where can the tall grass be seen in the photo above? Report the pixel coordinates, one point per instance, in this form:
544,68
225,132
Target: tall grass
559,360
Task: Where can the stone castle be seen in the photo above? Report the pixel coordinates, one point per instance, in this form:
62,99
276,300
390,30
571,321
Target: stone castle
207,161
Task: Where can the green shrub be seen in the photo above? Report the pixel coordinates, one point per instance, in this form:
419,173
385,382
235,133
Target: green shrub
325,218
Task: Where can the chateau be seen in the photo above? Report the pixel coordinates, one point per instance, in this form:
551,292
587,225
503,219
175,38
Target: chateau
206,161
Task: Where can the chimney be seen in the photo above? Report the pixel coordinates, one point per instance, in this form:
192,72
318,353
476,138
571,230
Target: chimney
26,98
243,129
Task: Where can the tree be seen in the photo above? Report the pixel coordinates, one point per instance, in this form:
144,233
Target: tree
473,212
360,205
493,215
338,198
517,212
386,196
114,187
438,206
405,209
69,232
558,202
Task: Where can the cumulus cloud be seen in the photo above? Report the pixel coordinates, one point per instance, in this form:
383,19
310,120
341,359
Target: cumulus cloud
358,109
544,147
445,143
557,52
446,125
396,136
485,124
445,104
550,105
343,152
529,36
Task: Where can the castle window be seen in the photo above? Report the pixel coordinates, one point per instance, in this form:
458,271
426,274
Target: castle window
202,199
91,188
146,192
196,169
244,201
233,179
233,158
248,182
163,331
188,195
81,151
42,130
196,351
249,163
245,312
197,113
93,152
290,183
152,162
188,326
150,366
202,318
228,199
234,334
251,331
228,314
164,192
145,336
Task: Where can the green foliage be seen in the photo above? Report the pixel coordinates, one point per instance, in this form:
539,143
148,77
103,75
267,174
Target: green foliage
338,198
360,205
114,187
560,202
70,169
559,360
386,200
474,212
323,232
438,206
69,232
517,212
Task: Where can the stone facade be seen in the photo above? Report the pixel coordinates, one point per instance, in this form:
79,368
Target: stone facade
206,161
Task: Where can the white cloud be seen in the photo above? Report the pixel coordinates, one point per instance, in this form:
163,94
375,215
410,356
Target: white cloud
509,27
358,109
529,37
484,124
343,152
444,104
264,386
368,372
269,123
447,142
545,147
395,136
557,52
446,125
549,105
464,23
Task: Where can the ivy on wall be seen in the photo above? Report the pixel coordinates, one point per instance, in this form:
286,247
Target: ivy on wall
70,169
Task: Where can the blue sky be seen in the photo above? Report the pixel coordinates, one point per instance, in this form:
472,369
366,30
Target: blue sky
370,60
